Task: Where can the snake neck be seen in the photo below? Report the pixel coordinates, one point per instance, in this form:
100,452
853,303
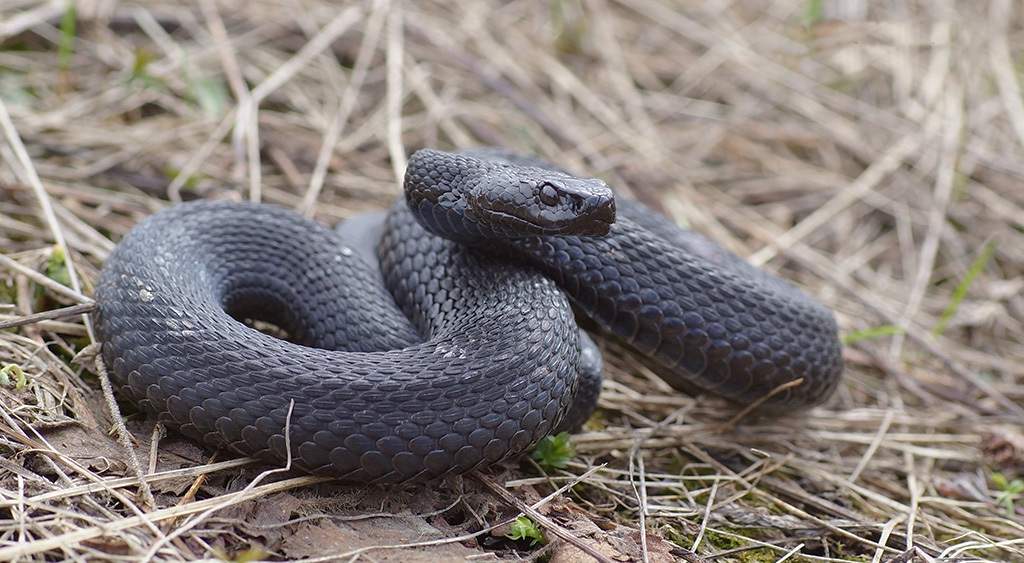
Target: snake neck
439,196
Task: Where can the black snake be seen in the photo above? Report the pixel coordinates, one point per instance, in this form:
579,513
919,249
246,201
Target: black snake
439,337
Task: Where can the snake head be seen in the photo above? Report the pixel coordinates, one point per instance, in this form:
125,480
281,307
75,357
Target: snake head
541,202
478,198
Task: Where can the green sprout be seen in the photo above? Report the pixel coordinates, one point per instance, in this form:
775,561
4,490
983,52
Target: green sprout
1009,491
18,374
209,94
524,529
554,452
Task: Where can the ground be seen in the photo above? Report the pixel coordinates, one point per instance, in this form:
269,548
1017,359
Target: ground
867,151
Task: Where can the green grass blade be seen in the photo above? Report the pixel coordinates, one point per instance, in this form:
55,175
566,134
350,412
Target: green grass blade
871,333
66,45
977,267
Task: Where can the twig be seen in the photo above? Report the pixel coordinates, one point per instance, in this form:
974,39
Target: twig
81,308
111,484
1004,68
641,497
73,538
123,436
44,203
866,182
196,159
201,517
347,102
790,553
868,453
44,281
228,60
356,552
707,516
246,123
732,422
154,445
944,182
539,518
394,90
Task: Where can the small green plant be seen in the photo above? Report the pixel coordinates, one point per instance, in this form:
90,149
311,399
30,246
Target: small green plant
57,267
209,94
570,25
140,70
554,452
140,63
1009,491
524,529
9,371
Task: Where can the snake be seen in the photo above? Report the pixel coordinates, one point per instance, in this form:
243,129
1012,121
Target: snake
439,336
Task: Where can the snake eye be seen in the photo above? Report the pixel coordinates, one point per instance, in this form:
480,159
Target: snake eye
548,195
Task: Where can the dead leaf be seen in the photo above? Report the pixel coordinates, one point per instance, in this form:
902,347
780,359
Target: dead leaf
965,486
1003,447
89,447
326,537
620,544
567,553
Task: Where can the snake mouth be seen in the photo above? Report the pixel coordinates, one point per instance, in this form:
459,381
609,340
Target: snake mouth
597,221
527,227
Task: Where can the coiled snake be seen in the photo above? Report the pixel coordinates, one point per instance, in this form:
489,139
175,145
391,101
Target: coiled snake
438,338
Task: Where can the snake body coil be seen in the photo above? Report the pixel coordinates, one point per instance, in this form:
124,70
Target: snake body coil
432,357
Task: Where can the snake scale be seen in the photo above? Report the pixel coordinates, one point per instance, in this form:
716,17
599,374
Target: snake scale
438,337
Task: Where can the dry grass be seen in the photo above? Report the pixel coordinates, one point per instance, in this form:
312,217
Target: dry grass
868,151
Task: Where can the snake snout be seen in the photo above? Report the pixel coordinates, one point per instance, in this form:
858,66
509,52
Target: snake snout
601,211
594,216
576,206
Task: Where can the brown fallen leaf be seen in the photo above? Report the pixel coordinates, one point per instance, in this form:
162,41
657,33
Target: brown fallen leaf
620,543
1003,447
326,537
89,447
965,486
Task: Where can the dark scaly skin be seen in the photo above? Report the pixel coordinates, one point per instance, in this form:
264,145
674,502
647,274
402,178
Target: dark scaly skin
474,359
706,318
481,384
